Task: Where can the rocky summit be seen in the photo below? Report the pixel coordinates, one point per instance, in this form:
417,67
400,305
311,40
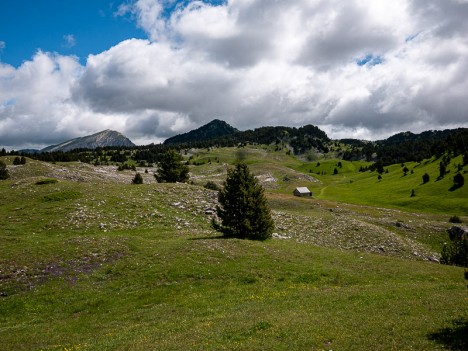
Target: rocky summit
101,139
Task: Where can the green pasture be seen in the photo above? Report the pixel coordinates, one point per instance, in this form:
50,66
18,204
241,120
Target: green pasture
109,266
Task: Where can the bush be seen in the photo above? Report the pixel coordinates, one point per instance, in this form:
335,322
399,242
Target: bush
455,219
244,211
127,167
212,186
138,179
17,161
3,171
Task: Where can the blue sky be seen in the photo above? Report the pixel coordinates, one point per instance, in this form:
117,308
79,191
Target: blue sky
361,69
68,27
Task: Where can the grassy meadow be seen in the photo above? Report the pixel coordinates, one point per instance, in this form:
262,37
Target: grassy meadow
92,262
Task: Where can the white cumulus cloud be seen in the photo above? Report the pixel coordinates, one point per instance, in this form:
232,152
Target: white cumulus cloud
358,68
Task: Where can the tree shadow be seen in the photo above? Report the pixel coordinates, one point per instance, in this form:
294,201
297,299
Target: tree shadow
454,337
218,237
455,187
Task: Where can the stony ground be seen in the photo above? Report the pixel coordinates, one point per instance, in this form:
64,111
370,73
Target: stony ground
347,227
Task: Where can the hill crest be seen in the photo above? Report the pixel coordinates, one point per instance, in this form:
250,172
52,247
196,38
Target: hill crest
214,129
102,139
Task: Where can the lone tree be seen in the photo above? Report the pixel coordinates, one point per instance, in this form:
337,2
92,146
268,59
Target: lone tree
442,170
458,180
405,171
244,212
3,171
171,169
425,178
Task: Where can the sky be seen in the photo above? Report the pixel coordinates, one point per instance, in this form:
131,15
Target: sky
151,69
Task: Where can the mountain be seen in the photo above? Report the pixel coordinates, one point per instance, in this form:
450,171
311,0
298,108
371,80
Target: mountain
214,129
101,139
29,151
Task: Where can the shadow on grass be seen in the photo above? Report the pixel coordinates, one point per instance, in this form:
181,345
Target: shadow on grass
218,237
454,337
455,187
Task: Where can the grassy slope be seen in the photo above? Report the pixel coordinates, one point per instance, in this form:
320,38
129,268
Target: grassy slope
107,266
350,185
394,189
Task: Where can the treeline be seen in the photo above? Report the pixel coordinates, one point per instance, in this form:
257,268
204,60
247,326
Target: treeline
407,147
400,148
300,139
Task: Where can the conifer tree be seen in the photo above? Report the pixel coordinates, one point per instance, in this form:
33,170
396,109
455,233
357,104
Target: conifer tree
458,180
3,171
425,178
171,169
405,170
244,211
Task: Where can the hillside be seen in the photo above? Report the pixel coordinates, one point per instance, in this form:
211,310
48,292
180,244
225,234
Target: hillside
92,262
214,129
101,139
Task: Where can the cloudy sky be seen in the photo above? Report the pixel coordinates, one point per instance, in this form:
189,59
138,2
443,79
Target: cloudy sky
155,68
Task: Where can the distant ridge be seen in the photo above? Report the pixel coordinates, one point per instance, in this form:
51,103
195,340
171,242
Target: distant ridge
101,139
212,130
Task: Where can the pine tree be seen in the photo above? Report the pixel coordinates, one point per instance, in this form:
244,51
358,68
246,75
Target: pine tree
171,169
244,211
17,161
458,180
3,171
425,178
442,170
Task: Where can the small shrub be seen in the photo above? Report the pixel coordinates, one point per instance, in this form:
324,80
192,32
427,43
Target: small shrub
138,179
455,219
212,186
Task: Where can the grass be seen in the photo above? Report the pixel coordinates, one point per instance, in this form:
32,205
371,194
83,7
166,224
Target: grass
110,266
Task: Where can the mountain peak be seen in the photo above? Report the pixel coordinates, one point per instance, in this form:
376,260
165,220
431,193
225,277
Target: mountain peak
101,139
214,129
